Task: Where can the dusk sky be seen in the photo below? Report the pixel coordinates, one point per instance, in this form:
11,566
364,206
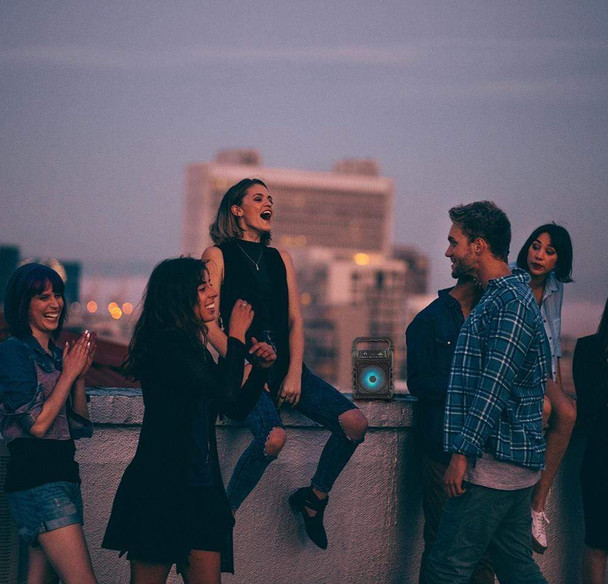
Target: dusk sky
104,103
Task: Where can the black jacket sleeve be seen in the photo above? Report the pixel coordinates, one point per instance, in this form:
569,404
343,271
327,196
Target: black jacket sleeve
233,400
191,371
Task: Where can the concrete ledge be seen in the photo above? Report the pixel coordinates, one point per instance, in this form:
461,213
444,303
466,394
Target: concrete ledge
118,406
374,518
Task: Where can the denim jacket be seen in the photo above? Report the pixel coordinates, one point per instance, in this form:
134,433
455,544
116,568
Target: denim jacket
551,311
431,339
28,375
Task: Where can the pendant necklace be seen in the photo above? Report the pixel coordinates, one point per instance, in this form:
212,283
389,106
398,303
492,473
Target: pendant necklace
256,264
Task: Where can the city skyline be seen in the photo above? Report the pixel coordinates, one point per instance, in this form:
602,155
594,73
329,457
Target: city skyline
106,105
348,209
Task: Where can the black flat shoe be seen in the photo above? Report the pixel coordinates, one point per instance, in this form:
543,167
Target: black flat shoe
303,498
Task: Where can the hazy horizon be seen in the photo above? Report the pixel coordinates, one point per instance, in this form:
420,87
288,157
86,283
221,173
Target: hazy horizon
105,104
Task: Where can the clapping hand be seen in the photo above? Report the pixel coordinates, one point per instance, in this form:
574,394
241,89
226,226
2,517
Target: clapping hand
91,354
77,356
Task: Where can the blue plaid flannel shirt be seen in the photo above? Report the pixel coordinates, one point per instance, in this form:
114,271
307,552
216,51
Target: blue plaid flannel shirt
498,378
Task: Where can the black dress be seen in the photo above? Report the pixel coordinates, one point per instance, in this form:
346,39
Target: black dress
154,511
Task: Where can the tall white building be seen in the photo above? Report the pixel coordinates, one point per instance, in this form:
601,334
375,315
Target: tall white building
343,298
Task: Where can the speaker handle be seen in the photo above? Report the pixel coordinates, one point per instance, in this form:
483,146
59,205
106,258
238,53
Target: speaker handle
386,340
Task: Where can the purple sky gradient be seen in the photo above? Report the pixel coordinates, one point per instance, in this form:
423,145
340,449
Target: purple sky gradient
104,103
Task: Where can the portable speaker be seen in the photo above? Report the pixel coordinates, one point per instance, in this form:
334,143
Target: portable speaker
373,368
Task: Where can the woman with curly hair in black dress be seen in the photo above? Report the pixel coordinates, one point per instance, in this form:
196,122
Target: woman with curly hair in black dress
171,506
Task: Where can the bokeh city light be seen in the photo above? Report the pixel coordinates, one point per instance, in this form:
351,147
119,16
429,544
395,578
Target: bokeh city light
361,259
116,312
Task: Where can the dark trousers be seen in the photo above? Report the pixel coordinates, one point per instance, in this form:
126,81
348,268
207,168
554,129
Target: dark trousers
433,500
485,519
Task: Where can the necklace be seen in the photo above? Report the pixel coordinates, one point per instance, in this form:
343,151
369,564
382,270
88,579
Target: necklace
256,264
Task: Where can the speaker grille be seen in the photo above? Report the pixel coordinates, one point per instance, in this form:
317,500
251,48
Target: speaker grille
372,368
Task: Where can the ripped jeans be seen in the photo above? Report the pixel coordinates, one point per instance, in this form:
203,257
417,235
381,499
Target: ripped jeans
320,402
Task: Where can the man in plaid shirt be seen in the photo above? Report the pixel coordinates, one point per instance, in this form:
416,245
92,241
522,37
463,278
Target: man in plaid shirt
493,412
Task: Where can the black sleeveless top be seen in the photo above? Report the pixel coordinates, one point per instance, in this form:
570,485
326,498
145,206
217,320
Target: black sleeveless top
266,291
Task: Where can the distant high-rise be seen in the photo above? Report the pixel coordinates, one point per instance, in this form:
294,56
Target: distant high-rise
72,281
9,260
360,296
349,209
417,264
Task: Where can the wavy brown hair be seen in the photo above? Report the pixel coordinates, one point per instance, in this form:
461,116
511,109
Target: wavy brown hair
168,305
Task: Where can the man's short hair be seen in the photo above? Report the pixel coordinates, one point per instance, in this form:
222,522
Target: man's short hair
483,219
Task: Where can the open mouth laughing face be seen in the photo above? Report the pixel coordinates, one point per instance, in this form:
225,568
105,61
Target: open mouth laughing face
206,309
255,212
45,310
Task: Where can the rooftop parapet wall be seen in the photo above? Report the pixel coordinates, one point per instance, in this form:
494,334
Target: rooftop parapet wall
374,518
124,407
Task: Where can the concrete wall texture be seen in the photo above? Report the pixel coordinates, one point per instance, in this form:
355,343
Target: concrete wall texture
373,520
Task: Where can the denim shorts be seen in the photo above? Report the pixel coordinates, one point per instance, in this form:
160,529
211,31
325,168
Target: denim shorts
45,508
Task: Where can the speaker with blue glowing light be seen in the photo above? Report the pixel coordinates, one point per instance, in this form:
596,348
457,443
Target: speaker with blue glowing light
373,368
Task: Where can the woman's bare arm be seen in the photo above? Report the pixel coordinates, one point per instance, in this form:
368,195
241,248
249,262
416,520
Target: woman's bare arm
291,388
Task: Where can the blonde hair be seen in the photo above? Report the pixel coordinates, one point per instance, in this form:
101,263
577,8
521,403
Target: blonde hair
226,227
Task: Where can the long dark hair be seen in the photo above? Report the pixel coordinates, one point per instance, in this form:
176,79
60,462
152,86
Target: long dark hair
168,305
225,226
602,335
560,240
26,282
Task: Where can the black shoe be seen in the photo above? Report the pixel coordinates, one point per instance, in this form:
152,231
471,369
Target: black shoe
303,498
